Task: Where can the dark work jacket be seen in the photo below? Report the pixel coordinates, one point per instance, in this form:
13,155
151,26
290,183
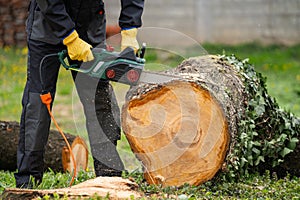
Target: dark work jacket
51,21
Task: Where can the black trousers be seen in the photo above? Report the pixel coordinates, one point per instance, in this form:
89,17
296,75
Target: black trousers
100,108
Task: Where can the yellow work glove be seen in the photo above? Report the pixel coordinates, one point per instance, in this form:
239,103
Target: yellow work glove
77,48
129,39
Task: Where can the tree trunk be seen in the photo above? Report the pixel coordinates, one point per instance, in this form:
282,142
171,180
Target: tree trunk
216,116
57,155
105,187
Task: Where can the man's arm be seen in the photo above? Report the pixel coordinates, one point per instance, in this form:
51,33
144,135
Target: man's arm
129,21
131,13
55,13
61,24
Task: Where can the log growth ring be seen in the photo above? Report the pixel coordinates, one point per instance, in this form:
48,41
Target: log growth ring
178,132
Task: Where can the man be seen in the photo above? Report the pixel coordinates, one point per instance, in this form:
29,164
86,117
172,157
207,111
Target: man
77,25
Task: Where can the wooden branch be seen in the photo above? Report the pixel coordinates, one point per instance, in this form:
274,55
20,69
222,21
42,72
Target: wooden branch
111,187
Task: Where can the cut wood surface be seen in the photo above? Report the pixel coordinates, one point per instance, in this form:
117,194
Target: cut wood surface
57,155
180,133
111,187
80,152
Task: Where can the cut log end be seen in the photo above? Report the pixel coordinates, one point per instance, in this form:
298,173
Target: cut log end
182,118
80,152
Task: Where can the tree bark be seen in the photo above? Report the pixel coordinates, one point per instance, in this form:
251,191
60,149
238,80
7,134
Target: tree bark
57,156
186,130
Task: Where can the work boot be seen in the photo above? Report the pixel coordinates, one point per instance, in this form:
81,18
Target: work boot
29,183
103,170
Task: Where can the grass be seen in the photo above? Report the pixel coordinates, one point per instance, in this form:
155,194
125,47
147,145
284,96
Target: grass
12,80
254,187
280,64
267,186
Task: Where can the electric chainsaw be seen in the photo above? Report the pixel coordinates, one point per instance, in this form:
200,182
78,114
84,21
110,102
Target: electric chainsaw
124,67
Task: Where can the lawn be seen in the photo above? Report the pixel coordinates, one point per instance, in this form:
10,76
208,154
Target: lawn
280,64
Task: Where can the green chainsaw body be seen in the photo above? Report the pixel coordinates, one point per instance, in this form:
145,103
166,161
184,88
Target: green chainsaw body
124,67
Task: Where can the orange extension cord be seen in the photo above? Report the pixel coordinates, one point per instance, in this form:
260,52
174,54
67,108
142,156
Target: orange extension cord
47,99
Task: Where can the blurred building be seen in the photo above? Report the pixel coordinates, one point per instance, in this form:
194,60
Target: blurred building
223,21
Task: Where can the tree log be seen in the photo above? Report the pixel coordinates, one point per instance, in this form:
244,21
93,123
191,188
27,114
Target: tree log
105,187
218,115
57,156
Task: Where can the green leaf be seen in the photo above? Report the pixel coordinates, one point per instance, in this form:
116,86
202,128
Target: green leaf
252,126
255,133
282,138
285,151
272,142
250,160
260,158
259,110
256,143
243,161
255,150
293,143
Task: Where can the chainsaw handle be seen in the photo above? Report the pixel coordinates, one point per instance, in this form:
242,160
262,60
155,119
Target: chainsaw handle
62,56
